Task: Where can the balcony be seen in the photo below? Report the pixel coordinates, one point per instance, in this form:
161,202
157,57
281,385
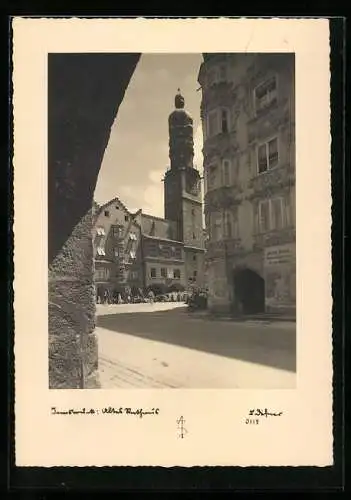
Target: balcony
273,238
219,93
222,197
217,144
273,180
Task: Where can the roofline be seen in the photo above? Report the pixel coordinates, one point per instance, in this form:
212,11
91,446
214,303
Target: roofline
155,217
102,207
195,248
162,239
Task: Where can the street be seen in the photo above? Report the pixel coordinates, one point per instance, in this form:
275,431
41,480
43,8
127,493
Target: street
163,346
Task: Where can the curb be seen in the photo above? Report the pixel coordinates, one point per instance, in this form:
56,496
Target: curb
270,319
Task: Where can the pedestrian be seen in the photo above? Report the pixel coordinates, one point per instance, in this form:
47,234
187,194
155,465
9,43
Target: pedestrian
151,296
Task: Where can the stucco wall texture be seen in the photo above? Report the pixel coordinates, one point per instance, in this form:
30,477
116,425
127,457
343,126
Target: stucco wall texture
84,94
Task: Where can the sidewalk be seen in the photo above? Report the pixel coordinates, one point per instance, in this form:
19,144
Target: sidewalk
263,317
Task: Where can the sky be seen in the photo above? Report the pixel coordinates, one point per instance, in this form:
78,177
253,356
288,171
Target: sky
136,156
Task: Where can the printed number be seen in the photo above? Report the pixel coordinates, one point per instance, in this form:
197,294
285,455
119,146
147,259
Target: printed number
251,421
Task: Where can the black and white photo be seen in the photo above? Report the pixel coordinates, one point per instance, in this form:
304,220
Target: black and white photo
193,222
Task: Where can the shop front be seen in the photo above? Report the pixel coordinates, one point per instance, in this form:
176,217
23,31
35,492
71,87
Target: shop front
280,278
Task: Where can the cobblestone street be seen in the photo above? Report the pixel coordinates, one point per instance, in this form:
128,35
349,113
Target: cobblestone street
163,346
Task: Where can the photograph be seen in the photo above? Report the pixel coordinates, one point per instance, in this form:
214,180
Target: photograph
174,290
171,220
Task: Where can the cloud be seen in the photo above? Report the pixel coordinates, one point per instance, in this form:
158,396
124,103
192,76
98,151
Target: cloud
156,175
137,155
148,197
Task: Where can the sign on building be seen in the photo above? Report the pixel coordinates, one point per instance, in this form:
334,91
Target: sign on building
280,275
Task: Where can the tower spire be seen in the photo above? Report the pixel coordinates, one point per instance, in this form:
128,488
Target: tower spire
179,100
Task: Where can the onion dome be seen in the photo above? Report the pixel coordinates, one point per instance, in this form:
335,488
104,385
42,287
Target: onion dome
179,117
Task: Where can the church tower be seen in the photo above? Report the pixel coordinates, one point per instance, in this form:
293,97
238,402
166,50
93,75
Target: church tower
182,182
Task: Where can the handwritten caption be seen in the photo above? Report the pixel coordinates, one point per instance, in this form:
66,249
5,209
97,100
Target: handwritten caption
257,412
108,410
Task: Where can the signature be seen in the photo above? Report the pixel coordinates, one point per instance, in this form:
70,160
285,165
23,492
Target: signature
139,412
264,413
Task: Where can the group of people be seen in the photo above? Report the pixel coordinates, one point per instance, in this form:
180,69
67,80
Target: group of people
127,297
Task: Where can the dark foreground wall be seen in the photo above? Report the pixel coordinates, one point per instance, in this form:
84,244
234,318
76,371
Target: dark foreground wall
84,94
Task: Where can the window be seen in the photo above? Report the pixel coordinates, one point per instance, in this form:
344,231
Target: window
264,216
117,232
117,207
265,94
192,211
153,272
267,155
227,224
107,213
132,254
126,218
132,236
224,121
273,153
211,176
194,236
102,274
271,214
277,213
152,249
116,251
217,74
176,274
134,275
235,225
217,122
163,272
99,274
226,172
195,274
101,251
194,258
100,231
216,226
212,123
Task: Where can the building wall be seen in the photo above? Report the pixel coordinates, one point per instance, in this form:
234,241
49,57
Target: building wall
157,227
195,267
192,223
116,271
170,266
159,253
238,143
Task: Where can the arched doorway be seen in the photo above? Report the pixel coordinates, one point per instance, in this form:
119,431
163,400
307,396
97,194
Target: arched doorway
249,291
84,95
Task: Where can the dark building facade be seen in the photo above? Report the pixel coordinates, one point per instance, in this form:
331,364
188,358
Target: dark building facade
248,120
137,250
183,193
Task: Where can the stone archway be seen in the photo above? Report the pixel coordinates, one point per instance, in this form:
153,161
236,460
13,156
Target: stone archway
249,291
84,95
